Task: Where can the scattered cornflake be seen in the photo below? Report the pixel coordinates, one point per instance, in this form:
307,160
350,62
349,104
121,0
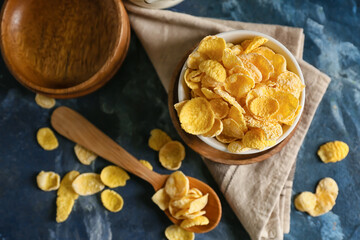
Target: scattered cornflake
146,164
87,184
111,200
46,139
333,151
44,101
171,155
84,155
175,232
48,181
66,196
114,176
157,139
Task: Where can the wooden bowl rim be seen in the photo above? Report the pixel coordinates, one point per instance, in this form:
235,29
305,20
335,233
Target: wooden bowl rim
206,150
102,76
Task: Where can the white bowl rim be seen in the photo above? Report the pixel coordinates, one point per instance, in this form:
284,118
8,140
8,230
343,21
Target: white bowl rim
222,147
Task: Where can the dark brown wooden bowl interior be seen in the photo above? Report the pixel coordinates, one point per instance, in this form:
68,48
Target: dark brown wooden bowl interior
206,150
64,48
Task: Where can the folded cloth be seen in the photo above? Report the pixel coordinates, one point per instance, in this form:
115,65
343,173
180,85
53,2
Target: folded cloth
260,193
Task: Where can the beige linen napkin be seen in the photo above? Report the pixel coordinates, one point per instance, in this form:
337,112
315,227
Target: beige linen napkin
260,193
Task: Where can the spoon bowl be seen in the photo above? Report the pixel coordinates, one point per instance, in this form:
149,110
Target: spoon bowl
75,127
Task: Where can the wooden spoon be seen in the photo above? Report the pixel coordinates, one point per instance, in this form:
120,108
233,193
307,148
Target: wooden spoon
75,127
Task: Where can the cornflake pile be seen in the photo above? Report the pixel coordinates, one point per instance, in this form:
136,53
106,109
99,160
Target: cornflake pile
183,203
243,95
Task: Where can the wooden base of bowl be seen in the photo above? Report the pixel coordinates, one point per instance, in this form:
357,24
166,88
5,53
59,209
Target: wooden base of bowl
204,149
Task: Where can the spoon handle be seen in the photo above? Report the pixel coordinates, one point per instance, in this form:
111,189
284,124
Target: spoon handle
75,127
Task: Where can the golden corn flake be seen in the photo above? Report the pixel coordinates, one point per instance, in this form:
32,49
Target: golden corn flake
212,47
178,107
194,215
111,200
175,232
230,60
208,82
225,139
327,185
264,106
177,185
84,155
235,114
66,188
198,204
265,51
198,221
232,129
114,176
158,138
66,197
208,93
261,63
46,139
279,63
161,199
216,129
171,155
194,192
196,116
255,43
239,69
64,206
254,72
333,151
87,184
230,99
321,202
237,49
290,82
236,147
197,93
213,69
288,105
192,85
48,181
219,107
192,76
255,138
244,44
238,85
195,59
305,201
146,164
44,101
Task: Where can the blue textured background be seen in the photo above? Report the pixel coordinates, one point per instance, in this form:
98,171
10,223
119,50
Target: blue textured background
134,102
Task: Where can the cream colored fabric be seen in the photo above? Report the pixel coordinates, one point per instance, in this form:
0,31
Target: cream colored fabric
259,194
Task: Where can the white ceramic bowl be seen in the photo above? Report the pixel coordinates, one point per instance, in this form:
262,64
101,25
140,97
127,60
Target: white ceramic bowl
236,37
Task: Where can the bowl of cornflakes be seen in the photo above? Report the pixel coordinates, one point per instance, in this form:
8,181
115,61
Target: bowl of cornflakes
240,92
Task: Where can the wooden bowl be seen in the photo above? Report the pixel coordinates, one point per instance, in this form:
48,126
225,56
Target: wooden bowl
64,48
211,151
